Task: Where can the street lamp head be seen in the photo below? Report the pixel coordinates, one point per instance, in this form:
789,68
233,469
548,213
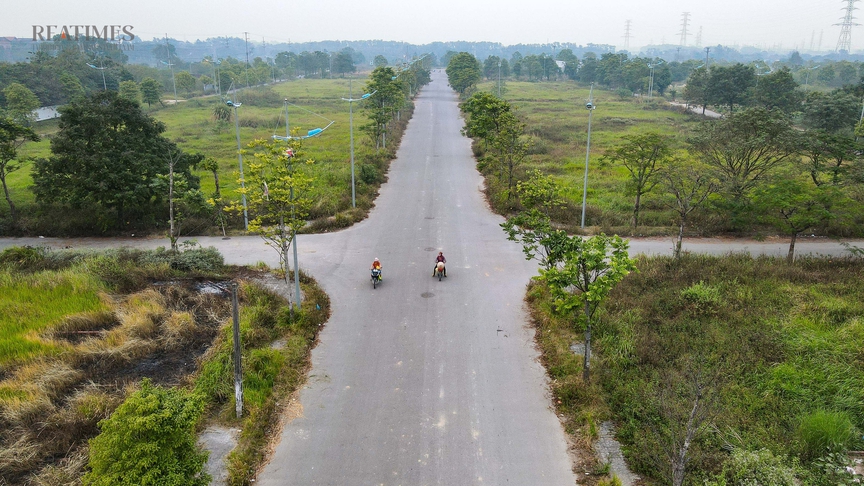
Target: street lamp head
231,103
589,105
365,96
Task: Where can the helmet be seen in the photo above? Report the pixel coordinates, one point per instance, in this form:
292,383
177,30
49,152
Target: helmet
376,259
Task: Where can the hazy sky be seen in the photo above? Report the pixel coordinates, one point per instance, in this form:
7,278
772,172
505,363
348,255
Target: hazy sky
766,23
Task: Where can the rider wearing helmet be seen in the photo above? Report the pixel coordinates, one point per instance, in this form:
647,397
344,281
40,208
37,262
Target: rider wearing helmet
440,258
376,265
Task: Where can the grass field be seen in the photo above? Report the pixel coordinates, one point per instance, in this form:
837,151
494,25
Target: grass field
557,121
778,345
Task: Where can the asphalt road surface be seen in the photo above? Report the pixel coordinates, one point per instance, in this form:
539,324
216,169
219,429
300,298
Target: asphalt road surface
422,382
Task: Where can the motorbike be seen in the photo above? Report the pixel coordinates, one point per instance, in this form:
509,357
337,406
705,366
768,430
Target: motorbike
376,277
439,270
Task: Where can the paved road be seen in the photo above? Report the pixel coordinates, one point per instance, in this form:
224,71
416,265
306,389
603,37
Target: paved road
421,381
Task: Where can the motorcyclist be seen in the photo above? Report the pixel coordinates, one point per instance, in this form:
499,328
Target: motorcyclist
376,265
440,259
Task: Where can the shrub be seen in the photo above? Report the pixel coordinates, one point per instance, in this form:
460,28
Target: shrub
149,440
755,468
824,432
701,296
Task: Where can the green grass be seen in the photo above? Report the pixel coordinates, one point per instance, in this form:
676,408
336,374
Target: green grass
31,303
783,341
556,118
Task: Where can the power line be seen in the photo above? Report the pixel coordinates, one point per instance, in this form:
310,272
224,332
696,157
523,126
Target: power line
844,44
685,21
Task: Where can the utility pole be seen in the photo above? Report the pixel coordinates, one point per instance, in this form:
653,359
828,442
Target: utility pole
707,50
238,360
590,106
844,44
699,37
171,65
294,236
685,21
246,36
627,34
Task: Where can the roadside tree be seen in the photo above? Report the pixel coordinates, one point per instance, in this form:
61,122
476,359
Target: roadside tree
729,85
743,149
151,91
778,90
463,72
644,157
129,91
108,156
20,103
588,270
689,183
277,192
186,82
12,137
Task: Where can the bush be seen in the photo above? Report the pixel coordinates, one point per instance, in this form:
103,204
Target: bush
149,440
824,432
755,468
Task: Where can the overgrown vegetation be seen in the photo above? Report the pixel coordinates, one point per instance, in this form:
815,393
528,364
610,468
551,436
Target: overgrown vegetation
137,315
767,354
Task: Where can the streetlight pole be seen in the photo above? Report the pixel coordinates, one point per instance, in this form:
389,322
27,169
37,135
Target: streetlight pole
236,105
590,106
351,101
651,82
171,65
499,77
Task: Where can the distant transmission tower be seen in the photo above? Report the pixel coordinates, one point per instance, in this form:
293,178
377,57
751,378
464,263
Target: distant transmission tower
685,21
844,44
627,34
699,37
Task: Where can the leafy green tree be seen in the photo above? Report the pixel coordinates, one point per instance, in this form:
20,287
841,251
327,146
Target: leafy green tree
343,63
211,165
151,91
463,72
129,91
186,82
662,78
778,90
278,195
382,106
484,111
696,89
832,112
829,154
793,205
826,74
745,147
510,147
12,137
588,71
71,86
729,85
20,103
532,229
588,270
690,184
108,155
380,61
149,441
643,156
571,63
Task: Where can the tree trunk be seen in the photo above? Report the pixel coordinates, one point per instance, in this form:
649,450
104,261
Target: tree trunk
790,257
586,367
680,240
636,210
13,211
680,462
